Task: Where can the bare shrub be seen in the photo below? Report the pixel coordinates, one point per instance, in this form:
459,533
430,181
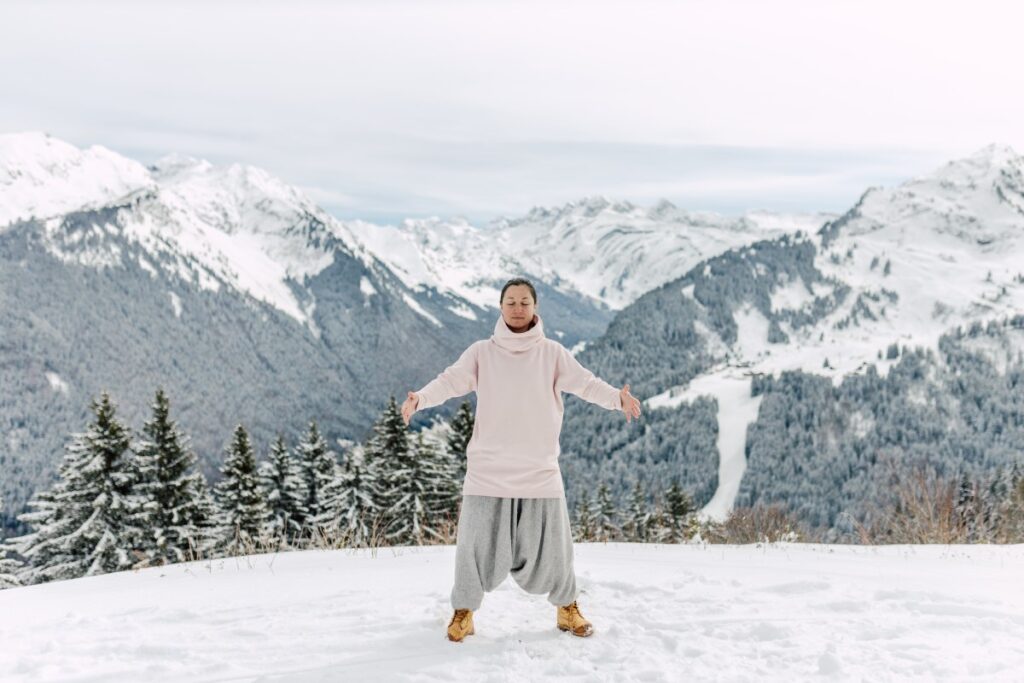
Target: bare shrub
758,524
929,507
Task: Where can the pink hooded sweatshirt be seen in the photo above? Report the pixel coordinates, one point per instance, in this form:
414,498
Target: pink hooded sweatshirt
518,379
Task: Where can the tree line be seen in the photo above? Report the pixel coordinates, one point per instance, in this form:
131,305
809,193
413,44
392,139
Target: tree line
125,501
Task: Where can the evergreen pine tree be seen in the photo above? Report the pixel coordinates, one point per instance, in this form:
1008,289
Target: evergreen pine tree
45,554
208,530
677,507
658,524
284,490
242,512
413,490
9,567
1008,507
389,453
585,522
967,506
83,524
434,467
323,479
453,466
638,522
359,514
460,431
167,487
607,527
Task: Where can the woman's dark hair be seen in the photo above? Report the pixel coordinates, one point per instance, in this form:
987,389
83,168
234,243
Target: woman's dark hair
518,281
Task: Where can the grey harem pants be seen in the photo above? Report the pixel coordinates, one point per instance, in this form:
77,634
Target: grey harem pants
527,537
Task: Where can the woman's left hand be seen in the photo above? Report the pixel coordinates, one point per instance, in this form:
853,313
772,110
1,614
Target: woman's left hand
630,404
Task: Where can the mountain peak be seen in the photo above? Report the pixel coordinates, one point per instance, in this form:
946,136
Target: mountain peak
591,205
662,209
43,176
977,200
175,163
995,153
980,167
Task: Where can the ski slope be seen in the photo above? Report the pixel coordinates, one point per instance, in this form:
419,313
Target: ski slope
780,612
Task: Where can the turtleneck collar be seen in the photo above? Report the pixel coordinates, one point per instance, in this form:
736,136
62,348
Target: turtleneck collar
518,342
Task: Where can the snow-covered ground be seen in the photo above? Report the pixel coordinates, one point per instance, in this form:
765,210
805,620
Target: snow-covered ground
780,612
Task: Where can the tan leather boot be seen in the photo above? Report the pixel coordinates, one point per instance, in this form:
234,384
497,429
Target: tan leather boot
570,619
461,625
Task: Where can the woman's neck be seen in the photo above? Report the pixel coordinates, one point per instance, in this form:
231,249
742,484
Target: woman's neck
525,328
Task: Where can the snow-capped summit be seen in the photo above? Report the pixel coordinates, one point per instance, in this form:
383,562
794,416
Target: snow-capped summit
587,207
903,266
662,209
976,201
174,163
611,252
234,197
205,223
41,176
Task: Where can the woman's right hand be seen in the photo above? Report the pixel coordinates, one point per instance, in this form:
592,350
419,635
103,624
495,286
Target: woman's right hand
409,407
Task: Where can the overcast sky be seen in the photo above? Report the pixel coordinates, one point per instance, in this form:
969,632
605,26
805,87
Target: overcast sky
383,110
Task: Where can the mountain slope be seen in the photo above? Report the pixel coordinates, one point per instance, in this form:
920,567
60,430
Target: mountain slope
243,300
901,269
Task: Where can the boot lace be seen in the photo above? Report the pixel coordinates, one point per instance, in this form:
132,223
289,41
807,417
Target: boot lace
459,615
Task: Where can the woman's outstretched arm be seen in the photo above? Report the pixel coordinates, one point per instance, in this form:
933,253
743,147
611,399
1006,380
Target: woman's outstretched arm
576,379
457,379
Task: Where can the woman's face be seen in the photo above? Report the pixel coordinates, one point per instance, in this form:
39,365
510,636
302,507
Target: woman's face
518,307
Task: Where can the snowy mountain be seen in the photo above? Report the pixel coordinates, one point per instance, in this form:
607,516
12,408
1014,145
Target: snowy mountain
775,612
250,304
914,261
901,269
209,226
608,252
232,290
236,292
44,177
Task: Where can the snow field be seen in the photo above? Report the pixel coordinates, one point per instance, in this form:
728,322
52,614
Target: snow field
782,612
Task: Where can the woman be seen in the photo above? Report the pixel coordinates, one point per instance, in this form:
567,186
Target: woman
513,516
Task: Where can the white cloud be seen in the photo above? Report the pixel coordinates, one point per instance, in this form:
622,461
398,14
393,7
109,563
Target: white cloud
411,108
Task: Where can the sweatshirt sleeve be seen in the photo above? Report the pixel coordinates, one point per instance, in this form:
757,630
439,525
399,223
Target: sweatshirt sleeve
572,377
457,379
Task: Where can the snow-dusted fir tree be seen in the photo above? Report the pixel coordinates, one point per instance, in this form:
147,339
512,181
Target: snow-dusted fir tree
436,469
284,490
168,487
413,487
44,510
605,519
83,524
389,453
459,432
9,566
584,527
209,531
638,520
677,511
241,511
323,478
455,467
359,514
658,529
1010,508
